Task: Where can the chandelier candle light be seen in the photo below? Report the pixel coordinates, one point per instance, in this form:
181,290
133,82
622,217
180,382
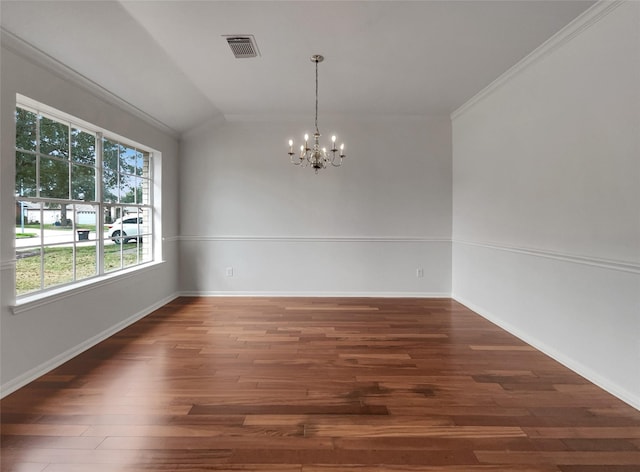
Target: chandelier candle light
317,157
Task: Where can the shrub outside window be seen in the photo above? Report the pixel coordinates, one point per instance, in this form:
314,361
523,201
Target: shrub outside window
83,201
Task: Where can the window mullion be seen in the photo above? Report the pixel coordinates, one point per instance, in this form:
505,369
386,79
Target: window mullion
41,243
38,161
100,213
74,248
69,168
38,155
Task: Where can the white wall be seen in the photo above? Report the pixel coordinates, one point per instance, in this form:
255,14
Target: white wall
43,336
546,199
361,229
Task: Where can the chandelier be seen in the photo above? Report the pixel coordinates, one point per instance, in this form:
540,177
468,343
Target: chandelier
316,156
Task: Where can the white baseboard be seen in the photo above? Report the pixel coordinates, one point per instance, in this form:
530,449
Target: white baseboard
216,293
31,375
577,367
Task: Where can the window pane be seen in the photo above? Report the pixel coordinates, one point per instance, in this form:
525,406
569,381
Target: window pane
110,189
145,186
110,171
83,183
112,257
140,160
54,178
28,270
86,253
58,265
137,223
128,158
115,227
25,174
131,254
86,234
128,186
85,218
145,220
110,155
109,215
62,234
32,217
54,138
60,216
26,138
83,147
146,253
138,191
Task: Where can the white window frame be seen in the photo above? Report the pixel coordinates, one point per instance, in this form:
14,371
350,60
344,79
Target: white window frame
151,238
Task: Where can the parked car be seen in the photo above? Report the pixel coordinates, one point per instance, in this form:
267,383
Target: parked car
122,230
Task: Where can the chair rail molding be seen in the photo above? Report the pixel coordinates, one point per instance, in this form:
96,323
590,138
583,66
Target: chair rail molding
622,266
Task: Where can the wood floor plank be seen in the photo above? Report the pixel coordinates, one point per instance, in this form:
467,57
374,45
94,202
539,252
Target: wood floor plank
35,429
585,432
409,431
601,458
175,467
315,385
26,467
420,468
227,442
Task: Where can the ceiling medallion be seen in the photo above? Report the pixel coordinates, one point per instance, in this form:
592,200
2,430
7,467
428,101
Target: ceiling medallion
316,156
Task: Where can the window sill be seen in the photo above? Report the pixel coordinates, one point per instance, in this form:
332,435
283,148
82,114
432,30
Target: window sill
30,302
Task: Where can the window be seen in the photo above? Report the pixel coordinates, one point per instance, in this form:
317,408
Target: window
83,200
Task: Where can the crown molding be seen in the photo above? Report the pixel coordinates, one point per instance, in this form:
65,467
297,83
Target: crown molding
27,51
576,27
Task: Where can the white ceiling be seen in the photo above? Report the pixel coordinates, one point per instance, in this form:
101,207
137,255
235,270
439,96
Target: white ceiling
169,59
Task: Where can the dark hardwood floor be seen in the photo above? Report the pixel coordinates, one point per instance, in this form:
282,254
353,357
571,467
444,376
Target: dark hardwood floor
316,385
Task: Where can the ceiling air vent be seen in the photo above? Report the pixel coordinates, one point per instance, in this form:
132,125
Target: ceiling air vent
243,45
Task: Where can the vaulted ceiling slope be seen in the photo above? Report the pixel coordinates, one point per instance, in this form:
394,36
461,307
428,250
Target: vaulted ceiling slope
169,59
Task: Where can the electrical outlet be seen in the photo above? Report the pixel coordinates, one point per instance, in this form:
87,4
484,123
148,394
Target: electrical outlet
420,272
229,272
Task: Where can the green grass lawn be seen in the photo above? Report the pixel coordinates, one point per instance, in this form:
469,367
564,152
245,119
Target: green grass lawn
58,264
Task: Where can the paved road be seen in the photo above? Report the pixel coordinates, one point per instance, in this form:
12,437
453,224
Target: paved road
55,236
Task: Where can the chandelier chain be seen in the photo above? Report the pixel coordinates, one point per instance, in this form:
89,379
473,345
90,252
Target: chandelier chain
317,132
